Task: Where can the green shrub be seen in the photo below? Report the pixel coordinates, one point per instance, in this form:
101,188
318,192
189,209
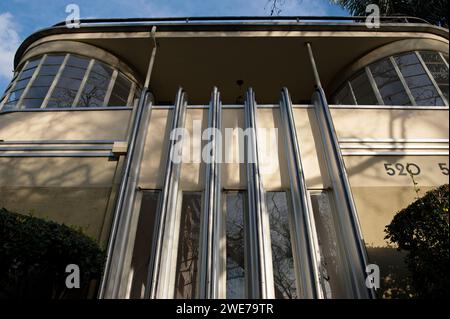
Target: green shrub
422,230
34,254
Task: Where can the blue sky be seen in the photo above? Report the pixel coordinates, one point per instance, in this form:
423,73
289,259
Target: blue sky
20,18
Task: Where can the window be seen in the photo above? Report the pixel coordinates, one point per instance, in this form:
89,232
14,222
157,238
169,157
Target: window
411,78
389,84
143,244
363,90
420,85
235,246
120,92
282,254
186,275
344,96
58,82
22,81
95,88
438,69
41,84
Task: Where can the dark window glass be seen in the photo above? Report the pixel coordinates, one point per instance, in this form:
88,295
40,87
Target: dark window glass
420,85
78,62
280,236
95,89
438,69
120,92
73,73
37,92
45,80
21,84
32,103
48,70
68,84
15,96
54,59
33,63
389,84
186,275
143,244
27,74
363,90
344,96
235,247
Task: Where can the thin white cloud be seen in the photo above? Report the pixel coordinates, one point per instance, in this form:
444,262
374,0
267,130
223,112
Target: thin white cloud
9,42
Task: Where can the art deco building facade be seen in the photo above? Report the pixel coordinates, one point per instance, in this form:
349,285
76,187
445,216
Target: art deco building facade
361,116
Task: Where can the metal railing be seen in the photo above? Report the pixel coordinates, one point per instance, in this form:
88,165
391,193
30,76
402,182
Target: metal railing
243,19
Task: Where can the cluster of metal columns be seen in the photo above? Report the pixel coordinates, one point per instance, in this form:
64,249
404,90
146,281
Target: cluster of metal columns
258,261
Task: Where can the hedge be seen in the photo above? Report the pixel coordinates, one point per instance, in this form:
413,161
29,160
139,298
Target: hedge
34,254
422,230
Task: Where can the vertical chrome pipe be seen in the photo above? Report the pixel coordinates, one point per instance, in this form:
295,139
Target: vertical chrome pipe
211,206
353,247
260,278
109,287
166,205
110,283
305,237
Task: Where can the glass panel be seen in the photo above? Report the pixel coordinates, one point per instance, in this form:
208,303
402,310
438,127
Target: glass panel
48,69
334,282
417,80
45,80
235,248
120,92
32,103
388,82
54,59
33,63
21,84
143,244
26,74
37,92
68,84
15,96
344,96
78,62
363,90
73,73
95,89
280,236
438,69
186,275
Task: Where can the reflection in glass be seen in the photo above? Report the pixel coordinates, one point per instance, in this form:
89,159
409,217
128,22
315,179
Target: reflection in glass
235,247
41,84
420,85
344,96
280,236
22,82
186,276
389,84
120,92
143,244
363,90
392,91
438,69
97,83
67,87
65,79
